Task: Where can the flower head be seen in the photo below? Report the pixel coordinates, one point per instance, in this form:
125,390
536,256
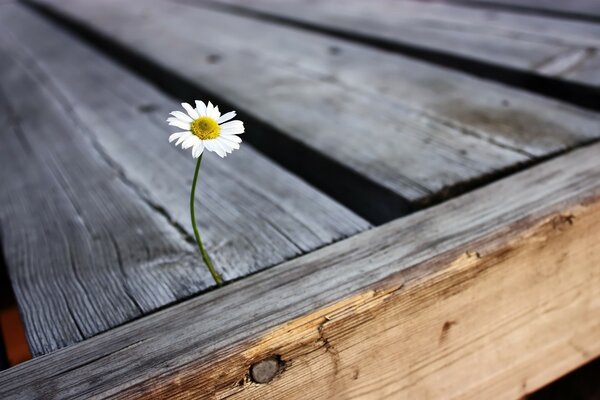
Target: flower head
205,128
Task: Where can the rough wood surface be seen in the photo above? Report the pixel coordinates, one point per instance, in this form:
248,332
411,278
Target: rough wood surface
522,42
467,299
94,205
583,9
420,131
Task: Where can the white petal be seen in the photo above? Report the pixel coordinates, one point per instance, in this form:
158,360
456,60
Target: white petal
180,124
181,116
176,135
216,113
224,146
233,124
211,145
232,131
231,138
208,145
190,110
229,142
200,108
230,147
189,142
182,138
209,109
197,150
226,117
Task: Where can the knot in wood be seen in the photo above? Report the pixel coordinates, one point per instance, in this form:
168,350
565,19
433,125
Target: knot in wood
264,371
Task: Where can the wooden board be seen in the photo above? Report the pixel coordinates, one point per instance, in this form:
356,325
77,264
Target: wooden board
464,300
577,9
419,131
529,43
94,207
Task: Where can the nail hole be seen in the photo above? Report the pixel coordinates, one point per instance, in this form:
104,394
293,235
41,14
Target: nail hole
213,58
334,50
147,108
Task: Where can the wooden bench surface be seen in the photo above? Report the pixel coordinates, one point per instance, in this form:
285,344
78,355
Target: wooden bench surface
390,227
575,9
566,49
95,200
468,299
417,131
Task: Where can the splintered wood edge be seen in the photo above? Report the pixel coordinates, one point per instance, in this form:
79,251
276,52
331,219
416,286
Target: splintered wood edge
503,298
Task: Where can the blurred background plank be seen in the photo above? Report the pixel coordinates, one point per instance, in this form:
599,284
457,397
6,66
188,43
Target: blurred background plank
94,209
564,49
582,9
420,132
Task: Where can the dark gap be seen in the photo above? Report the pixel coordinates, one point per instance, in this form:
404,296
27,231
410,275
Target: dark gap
483,180
581,95
525,9
7,300
343,184
3,358
14,348
581,384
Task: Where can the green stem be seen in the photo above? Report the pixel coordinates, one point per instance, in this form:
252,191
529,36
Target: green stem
205,257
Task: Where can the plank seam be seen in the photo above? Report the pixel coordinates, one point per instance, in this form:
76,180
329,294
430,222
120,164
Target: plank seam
525,9
325,174
579,94
37,73
119,172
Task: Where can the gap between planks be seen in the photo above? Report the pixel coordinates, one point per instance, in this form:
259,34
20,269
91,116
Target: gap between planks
267,139
577,93
112,238
555,11
485,289
330,175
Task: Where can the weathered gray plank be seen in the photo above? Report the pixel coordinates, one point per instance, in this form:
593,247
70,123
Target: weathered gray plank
202,348
94,217
521,42
585,9
412,128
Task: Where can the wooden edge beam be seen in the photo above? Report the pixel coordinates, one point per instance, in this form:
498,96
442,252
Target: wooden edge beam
490,295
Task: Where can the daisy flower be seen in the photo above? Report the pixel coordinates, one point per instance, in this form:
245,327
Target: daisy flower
205,128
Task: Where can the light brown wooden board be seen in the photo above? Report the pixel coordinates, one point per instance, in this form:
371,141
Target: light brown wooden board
94,207
537,44
419,131
491,294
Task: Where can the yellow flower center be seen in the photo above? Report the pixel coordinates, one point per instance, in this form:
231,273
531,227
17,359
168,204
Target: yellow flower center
206,128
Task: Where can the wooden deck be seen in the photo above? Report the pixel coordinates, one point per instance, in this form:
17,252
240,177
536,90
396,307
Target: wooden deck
414,212
564,48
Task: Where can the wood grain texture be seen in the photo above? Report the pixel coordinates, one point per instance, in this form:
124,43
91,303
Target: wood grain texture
94,209
497,37
417,130
467,299
583,9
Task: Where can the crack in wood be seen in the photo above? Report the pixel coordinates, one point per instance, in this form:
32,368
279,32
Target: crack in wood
329,348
